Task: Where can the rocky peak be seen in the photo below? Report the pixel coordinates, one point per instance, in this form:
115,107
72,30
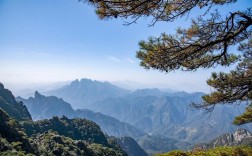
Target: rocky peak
241,134
37,95
75,82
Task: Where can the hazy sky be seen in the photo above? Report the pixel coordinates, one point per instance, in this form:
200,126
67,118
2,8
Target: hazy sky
45,41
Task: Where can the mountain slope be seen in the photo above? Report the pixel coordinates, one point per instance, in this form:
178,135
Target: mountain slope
153,144
110,125
82,94
12,136
11,106
131,146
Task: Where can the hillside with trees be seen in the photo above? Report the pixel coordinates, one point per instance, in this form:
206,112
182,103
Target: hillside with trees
56,136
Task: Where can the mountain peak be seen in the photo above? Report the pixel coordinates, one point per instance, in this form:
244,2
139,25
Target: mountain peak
37,95
85,79
75,82
85,92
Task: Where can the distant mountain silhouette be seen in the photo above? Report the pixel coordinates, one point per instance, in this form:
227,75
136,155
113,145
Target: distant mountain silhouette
82,94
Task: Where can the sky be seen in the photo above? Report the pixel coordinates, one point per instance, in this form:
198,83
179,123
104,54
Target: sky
49,41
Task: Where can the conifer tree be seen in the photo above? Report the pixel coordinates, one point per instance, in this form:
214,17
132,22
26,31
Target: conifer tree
206,43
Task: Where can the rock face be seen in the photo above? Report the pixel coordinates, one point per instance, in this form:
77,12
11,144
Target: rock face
82,94
239,137
15,109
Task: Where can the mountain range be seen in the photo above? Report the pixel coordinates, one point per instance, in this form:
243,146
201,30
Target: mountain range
159,120
157,112
170,115
45,107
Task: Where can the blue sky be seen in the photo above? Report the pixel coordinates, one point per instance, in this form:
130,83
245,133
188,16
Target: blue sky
46,41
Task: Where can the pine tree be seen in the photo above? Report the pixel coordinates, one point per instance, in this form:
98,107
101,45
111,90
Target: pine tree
206,43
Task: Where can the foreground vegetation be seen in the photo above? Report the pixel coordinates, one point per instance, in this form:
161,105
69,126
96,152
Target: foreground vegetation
218,151
49,139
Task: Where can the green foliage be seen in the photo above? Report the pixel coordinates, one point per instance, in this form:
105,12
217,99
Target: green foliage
218,151
77,129
54,144
11,135
15,153
246,117
203,45
50,143
160,10
234,86
100,150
